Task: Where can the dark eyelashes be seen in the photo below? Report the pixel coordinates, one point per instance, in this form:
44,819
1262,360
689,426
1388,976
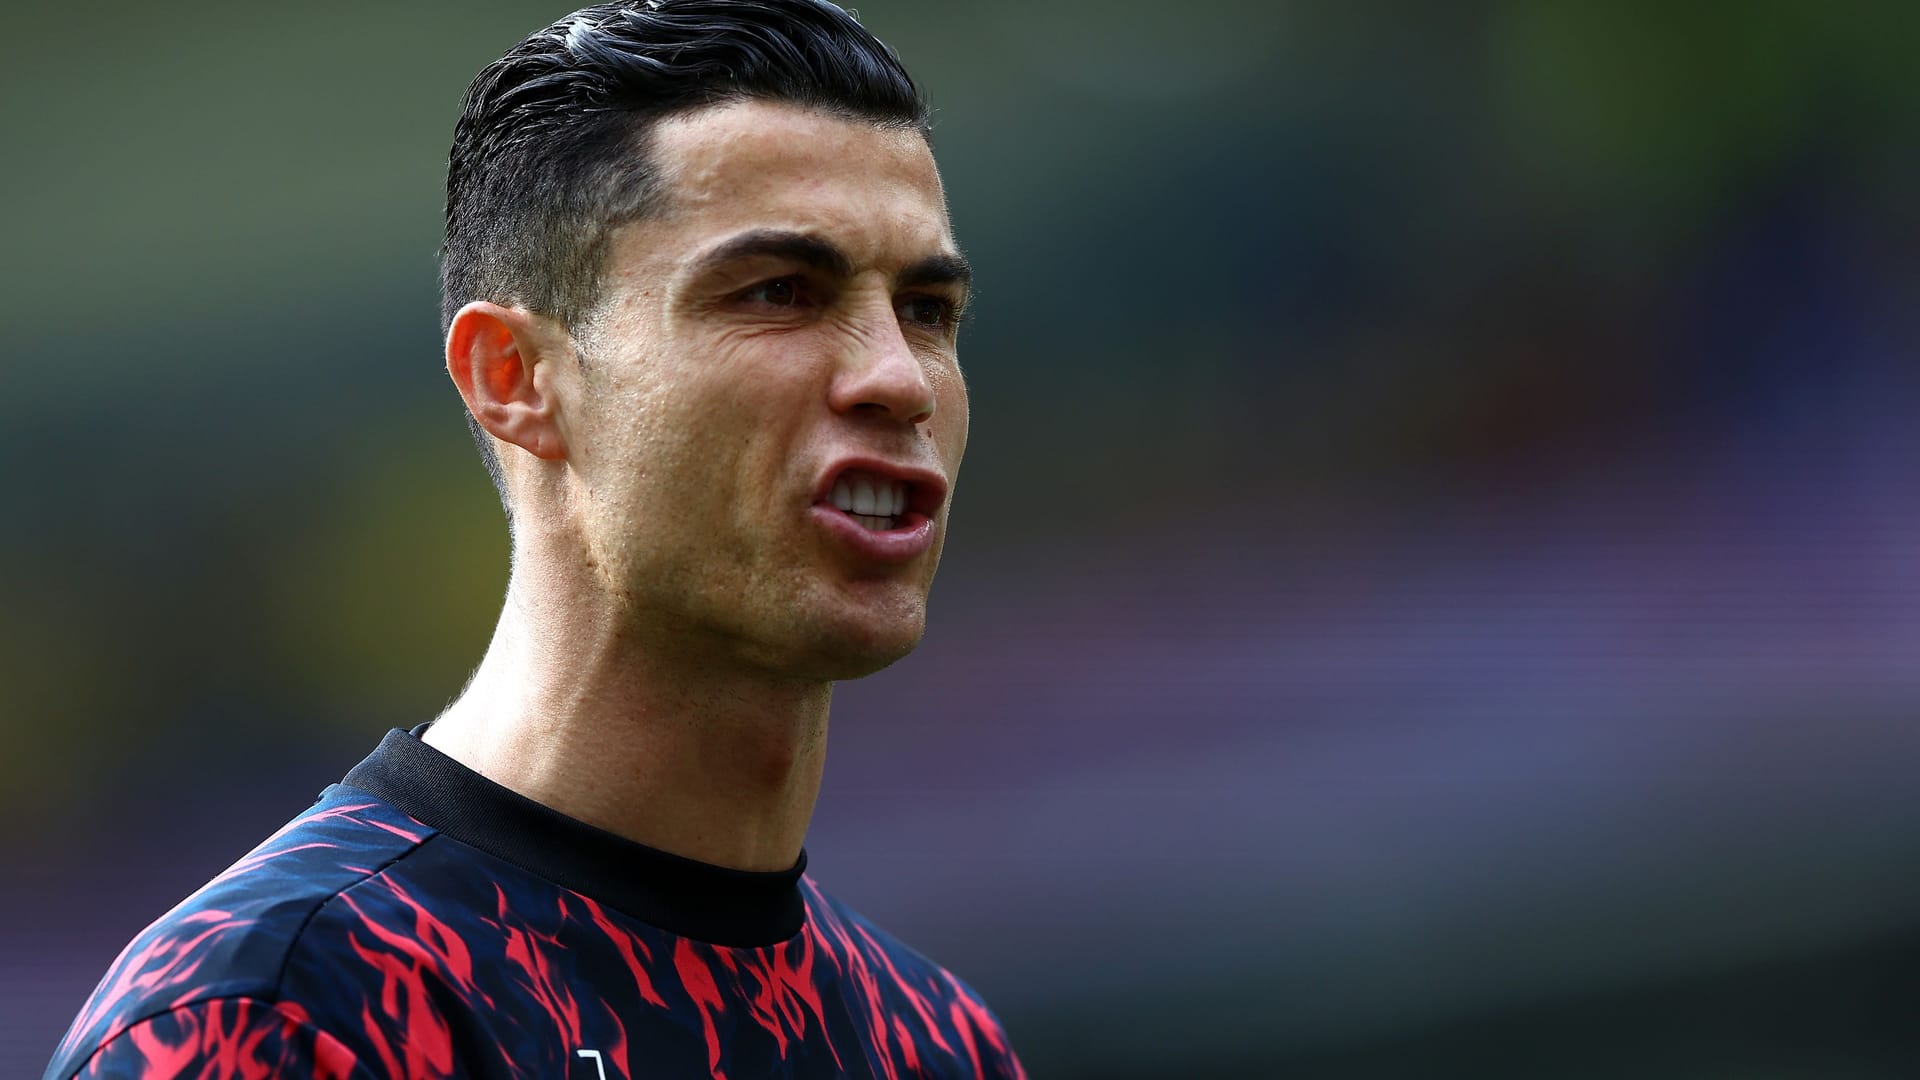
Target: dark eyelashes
797,292
948,313
796,289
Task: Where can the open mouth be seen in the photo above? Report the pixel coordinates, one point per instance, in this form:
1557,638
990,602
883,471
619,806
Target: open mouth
877,503
880,511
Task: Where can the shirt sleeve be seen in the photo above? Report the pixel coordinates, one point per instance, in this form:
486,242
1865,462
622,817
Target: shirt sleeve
232,1038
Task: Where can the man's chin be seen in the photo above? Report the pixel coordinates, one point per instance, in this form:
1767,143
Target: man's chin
845,656
852,641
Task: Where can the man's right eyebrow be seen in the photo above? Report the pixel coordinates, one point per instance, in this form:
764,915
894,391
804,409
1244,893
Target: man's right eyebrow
809,251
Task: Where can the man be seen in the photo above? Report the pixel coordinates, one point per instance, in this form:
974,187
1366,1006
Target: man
701,301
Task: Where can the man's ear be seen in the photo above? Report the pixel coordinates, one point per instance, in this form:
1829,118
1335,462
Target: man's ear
492,352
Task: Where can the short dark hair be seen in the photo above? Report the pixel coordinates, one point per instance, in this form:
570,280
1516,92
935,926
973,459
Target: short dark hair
550,153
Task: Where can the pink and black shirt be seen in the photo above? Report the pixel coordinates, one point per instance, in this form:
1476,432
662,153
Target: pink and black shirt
421,921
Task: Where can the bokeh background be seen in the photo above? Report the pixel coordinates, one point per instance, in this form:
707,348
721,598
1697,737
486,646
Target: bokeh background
1435,589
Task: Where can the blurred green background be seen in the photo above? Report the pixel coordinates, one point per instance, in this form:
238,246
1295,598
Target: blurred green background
1433,587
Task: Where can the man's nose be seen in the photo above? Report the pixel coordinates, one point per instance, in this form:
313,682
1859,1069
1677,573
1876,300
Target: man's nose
881,375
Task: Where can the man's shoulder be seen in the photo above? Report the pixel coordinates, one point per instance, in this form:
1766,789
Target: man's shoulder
841,925
913,984
233,937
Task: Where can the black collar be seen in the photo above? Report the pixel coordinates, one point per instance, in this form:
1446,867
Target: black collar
681,896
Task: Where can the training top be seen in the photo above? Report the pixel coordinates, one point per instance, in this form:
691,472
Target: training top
422,921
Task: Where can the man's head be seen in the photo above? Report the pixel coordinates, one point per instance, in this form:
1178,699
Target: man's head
551,151
699,287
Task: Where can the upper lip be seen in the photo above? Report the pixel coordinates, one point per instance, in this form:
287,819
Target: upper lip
926,488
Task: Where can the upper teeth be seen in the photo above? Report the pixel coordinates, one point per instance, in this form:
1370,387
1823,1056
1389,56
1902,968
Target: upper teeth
864,493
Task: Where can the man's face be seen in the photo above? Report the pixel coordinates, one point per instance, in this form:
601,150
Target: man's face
778,342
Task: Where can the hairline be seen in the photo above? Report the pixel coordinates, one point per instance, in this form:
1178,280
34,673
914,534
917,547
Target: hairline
656,201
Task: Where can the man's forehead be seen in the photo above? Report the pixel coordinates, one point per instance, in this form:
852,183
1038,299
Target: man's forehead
765,165
756,129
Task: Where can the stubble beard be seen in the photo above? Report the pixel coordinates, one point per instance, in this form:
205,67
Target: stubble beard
791,622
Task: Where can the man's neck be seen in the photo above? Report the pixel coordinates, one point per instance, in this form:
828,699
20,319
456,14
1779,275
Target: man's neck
707,761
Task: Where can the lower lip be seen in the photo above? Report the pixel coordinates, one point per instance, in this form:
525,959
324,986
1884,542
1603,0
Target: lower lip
913,538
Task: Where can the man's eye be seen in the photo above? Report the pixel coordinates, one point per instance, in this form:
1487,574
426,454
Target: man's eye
781,292
929,311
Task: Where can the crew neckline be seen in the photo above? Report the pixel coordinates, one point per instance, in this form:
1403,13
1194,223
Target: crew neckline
693,899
